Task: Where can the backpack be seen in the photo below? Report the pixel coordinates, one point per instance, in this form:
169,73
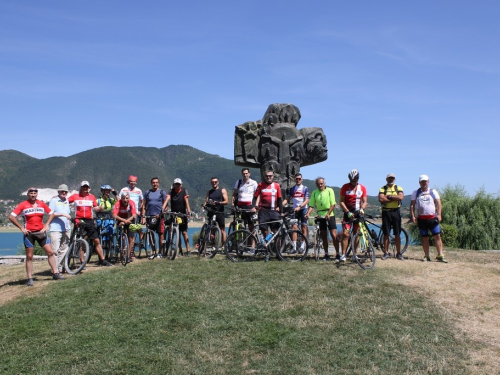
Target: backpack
419,192
161,195
396,189
238,188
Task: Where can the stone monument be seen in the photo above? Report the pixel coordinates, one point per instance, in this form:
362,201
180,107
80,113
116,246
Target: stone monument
274,143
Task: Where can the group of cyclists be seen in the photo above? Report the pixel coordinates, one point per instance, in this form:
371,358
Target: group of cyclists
131,209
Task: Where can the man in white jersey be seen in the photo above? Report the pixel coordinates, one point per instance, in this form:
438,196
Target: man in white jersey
426,203
135,195
244,190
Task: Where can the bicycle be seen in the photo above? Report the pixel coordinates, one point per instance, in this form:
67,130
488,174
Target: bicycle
209,241
362,242
107,236
243,245
78,253
378,242
238,222
122,244
171,235
150,243
318,239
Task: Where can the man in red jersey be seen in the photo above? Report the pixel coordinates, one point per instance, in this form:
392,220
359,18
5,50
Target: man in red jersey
125,213
84,203
32,211
353,200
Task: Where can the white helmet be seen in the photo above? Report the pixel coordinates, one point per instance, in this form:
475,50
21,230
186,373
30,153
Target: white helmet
353,174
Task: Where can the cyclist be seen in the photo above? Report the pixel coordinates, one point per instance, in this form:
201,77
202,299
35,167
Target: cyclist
125,212
32,211
269,198
219,197
299,196
390,196
243,192
60,226
426,202
84,203
324,200
135,195
179,202
152,206
353,201
106,203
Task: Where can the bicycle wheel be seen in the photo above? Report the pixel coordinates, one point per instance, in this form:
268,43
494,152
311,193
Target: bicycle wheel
290,252
124,249
202,239
213,242
365,253
318,244
77,256
173,244
405,240
240,246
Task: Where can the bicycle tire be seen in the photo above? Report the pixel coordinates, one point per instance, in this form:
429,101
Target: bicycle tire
406,238
287,252
173,244
240,246
212,243
318,245
124,249
202,239
77,256
365,253
152,242
405,242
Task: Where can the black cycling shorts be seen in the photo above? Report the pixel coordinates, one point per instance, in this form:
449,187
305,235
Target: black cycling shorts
391,219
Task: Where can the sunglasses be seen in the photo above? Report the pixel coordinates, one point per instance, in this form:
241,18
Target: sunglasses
33,191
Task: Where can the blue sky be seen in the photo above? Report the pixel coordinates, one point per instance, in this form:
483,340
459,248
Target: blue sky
403,87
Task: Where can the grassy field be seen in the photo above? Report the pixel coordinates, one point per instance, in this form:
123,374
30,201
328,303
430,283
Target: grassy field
193,316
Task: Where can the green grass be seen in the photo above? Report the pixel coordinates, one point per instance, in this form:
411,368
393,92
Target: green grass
203,317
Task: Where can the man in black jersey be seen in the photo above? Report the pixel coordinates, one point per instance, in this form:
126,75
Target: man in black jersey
219,198
179,202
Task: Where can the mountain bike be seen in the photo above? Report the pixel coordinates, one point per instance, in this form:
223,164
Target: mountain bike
362,242
78,253
243,245
122,244
171,235
107,235
209,241
318,239
238,222
378,238
149,237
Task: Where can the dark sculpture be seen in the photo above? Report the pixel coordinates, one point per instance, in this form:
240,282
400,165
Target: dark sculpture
274,143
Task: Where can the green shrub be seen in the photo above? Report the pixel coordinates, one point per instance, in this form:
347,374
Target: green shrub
449,235
38,250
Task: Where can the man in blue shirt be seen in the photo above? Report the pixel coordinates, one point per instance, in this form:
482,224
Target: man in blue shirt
152,207
60,226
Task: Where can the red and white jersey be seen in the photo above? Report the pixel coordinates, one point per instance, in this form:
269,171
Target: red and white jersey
353,196
32,214
269,194
125,211
83,205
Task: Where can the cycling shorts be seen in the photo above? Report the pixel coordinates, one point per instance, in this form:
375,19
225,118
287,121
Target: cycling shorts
300,216
328,224
347,226
266,216
391,219
90,229
219,217
40,237
426,225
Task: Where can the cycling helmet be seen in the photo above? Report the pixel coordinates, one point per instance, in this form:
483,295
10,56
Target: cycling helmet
106,187
353,174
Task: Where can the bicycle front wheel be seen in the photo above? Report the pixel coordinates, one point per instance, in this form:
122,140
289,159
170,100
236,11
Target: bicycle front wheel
124,249
318,244
240,246
293,251
77,256
365,253
212,243
173,243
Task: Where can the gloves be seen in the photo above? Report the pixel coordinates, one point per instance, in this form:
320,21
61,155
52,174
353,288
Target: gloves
350,215
361,212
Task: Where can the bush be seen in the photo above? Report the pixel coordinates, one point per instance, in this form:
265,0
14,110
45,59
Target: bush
38,250
449,235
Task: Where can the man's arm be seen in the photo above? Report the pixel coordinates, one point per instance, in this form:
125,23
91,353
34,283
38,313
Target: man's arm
365,202
14,221
224,197
235,194
438,208
342,204
186,199
412,210
165,204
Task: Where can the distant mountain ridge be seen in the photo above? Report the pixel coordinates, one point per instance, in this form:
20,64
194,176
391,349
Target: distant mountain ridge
112,165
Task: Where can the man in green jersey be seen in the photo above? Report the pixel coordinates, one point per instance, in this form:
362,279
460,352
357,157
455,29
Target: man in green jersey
324,200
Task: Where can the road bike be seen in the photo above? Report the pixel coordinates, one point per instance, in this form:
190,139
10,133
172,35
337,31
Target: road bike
243,245
362,242
318,239
378,238
171,235
209,241
78,253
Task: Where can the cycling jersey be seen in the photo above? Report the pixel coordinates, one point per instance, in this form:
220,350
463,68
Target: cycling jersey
83,205
125,211
299,194
391,190
353,196
246,191
323,200
269,194
177,201
106,204
32,214
135,195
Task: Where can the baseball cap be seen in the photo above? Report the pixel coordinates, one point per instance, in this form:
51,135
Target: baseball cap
63,187
423,177
132,178
391,175
85,183
178,181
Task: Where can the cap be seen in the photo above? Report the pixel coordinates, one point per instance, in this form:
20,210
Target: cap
132,178
85,183
178,181
63,187
423,177
390,175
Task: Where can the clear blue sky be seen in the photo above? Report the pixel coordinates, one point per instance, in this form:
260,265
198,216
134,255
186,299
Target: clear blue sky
397,86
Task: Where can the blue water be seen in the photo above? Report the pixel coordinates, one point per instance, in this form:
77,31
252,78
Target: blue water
9,243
